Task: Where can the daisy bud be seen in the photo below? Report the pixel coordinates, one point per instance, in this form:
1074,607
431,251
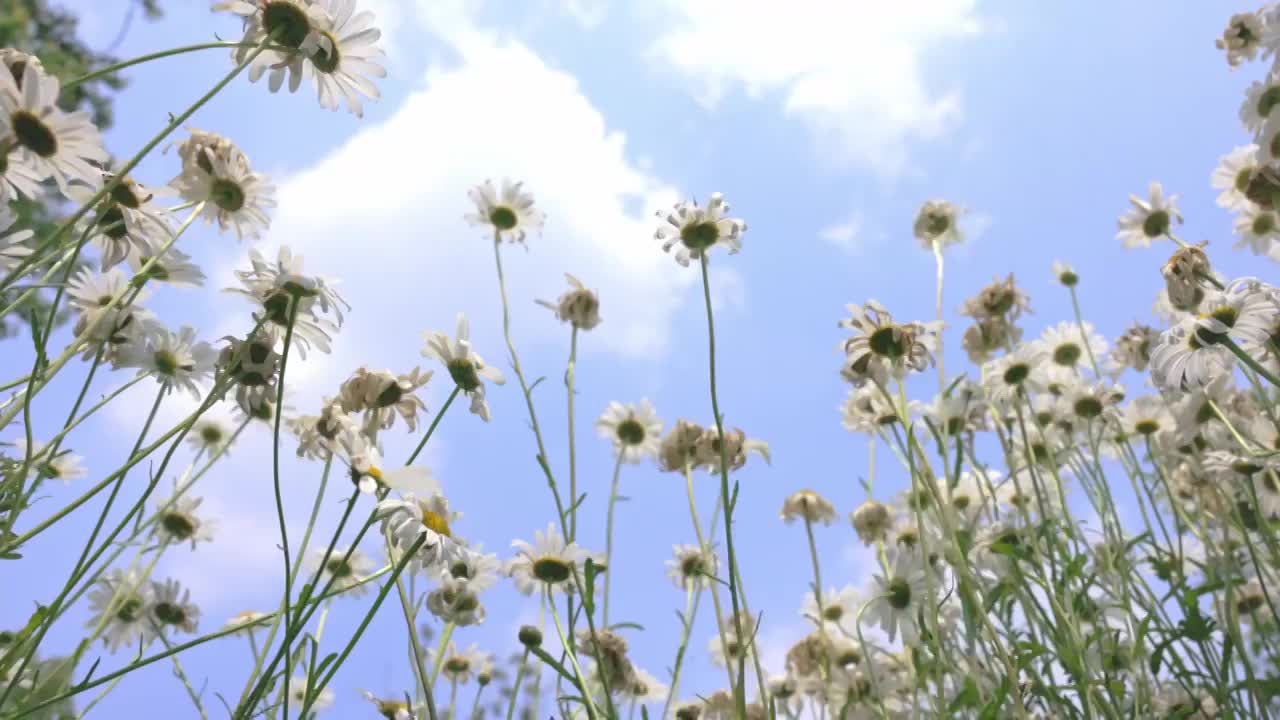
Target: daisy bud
871,521
530,636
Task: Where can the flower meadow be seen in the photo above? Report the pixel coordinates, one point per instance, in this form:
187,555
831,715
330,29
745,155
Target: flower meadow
1009,576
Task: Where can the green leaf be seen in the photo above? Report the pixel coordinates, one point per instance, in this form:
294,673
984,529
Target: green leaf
589,594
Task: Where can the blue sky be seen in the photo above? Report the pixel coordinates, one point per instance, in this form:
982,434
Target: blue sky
825,128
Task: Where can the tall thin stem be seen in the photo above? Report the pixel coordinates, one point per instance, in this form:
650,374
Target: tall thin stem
608,538
569,377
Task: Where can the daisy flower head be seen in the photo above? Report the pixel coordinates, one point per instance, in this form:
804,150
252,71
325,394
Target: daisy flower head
960,411
127,220
579,307
247,619
867,410
968,497
1007,377
319,435
1186,276
838,609
253,364
1258,229
1149,219
177,522
690,566
643,687
635,429
1242,37
465,366
13,249
1072,344
987,336
871,521
65,466
114,331
52,144
1000,299
415,517
694,230
392,709
218,174
454,601
727,647
1133,348
710,451
1246,311
548,562
175,359
1233,175
171,609
343,571
899,597
477,569
123,600
1260,101
344,67
809,506
508,210
369,474
1065,274
382,395
937,224
173,268
459,665
881,346
284,291
296,27
1145,416
298,692
678,449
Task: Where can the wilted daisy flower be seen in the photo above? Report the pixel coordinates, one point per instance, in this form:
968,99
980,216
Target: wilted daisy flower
345,62
344,569
881,346
1000,299
1072,344
465,366
177,522
174,359
579,307
695,230
643,687
1242,38
839,609
406,520
1186,276
65,466
679,447
737,446
547,562
1133,348
867,410
295,29
381,395
455,601
298,694
319,434
871,520
634,429
217,173
53,144
1260,100
173,268
987,336
1149,219
1258,229
171,608
1232,176
937,224
12,249
509,211
124,602
808,506
689,565
277,285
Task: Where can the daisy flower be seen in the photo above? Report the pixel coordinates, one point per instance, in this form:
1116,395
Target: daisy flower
937,224
345,571
477,569
126,222
406,520
1242,37
1133,348
465,366
177,522
1258,230
900,593
643,687
634,429
368,472
808,506
548,562
295,25
247,619
171,607
882,347
1005,378
124,602
1071,344
1232,176
1145,416
392,709
459,665
173,268
689,566
344,65
579,307
1260,99
65,466
871,521
382,395
737,446
455,601
51,143
298,694
12,248
174,359
961,411
727,647
678,449
1000,299
695,230
839,609
277,285
217,173
1149,219
1065,274
509,211
867,410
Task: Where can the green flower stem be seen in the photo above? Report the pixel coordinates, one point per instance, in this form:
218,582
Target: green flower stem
707,555
117,67
441,648
290,572
182,676
580,678
1245,358
569,376
608,539
937,257
410,623
740,698
693,597
515,687
1084,337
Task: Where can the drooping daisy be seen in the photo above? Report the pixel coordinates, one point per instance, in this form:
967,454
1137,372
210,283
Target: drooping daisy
809,506
413,518
1242,37
643,687
1000,299
579,307
174,359
173,268
508,212
937,224
171,609
881,347
736,447
345,569
1133,348
177,522
12,248
867,410
728,646
382,395
53,144
210,436
549,562
695,230
871,520
1260,100
124,601
1071,344
1232,176
344,66
219,175
455,601
634,429
1149,219
689,565
465,366
298,694
679,447
900,594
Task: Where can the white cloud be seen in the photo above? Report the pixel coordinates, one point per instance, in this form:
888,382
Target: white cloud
852,71
845,235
